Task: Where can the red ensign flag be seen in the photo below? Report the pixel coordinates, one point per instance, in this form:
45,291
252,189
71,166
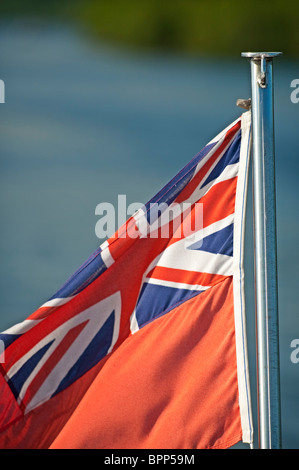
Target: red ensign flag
144,347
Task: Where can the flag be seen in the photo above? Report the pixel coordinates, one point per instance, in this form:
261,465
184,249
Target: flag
144,347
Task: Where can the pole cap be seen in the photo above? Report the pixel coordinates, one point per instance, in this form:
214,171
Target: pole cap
260,55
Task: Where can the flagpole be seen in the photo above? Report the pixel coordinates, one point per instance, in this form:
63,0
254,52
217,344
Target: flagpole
265,249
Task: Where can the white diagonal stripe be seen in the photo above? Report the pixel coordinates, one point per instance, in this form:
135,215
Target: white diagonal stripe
57,302
21,328
196,237
176,285
177,257
106,257
97,315
204,160
229,172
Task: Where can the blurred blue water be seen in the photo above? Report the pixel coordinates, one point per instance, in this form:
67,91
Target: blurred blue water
85,122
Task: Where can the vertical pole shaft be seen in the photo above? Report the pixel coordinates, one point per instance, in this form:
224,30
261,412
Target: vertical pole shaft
265,249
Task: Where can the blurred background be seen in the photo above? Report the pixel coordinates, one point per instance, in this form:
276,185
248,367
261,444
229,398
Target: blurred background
115,97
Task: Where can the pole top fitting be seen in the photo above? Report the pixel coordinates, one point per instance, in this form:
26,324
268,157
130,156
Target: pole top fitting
260,55
262,58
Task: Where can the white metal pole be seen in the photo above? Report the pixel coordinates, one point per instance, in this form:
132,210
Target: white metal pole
265,249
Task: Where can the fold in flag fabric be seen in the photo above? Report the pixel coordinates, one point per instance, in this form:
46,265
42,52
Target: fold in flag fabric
144,347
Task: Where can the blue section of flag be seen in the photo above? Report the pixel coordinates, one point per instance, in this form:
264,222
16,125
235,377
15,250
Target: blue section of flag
17,381
84,276
218,242
155,300
231,156
96,350
171,190
8,339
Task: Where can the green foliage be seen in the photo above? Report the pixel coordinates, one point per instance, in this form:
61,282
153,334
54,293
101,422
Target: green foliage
205,27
